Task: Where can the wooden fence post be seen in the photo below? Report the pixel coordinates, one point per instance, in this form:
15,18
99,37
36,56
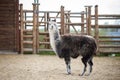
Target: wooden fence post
89,20
68,22
86,20
96,28
37,26
67,27
48,19
21,27
62,20
82,20
45,20
34,29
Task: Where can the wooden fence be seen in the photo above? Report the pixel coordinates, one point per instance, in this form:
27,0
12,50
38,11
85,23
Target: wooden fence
9,26
34,27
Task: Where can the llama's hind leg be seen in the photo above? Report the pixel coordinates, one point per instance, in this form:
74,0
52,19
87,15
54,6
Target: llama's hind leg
91,64
84,60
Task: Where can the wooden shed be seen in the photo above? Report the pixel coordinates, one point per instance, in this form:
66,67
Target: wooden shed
9,25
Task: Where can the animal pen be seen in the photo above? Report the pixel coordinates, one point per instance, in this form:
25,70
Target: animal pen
27,30
34,28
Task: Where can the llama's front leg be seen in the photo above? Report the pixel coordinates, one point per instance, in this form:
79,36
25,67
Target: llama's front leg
68,67
67,61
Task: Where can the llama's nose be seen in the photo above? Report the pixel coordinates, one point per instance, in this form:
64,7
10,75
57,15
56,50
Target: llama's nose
51,27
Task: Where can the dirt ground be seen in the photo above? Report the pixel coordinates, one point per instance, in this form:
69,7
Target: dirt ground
39,67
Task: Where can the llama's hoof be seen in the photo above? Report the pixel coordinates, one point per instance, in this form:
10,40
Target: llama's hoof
69,73
80,74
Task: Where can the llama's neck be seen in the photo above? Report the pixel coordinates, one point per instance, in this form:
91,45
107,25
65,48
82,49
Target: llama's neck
55,40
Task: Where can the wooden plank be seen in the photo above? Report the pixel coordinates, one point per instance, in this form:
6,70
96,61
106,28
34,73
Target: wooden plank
28,21
28,11
109,15
6,15
44,43
28,30
28,36
109,51
7,8
113,18
10,19
79,24
28,42
7,1
109,40
7,11
109,46
107,26
43,33
6,5
109,36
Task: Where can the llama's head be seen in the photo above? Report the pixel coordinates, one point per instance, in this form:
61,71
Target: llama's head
53,26
53,30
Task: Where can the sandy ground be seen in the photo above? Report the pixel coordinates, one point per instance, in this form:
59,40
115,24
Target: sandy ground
37,67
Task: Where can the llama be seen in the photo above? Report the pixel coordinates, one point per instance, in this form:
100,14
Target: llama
67,46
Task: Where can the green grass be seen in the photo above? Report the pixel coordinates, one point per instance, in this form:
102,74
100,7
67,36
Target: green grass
42,53
28,52
118,54
46,53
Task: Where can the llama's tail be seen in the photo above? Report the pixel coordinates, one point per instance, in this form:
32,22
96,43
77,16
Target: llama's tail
95,48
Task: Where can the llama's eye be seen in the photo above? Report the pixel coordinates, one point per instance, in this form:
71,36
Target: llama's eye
51,27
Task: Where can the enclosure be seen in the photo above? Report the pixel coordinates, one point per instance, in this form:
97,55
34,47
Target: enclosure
27,30
24,31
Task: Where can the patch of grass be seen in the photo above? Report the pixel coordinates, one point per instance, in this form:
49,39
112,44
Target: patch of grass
46,53
103,55
118,54
42,53
27,52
